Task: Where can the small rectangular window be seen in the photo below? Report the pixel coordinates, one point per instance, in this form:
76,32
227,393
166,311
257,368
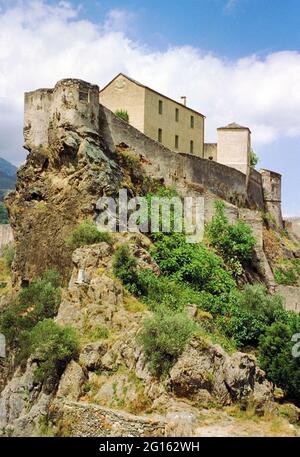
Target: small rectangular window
176,141
159,135
191,147
192,122
83,95
160,106
176,114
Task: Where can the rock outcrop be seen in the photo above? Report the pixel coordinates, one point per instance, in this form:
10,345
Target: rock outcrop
56,188
72,162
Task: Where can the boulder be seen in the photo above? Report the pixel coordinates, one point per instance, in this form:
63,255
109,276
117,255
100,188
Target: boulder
205,373
71,383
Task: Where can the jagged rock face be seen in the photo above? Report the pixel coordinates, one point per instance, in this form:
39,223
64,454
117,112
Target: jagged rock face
23,404
56,188
206,373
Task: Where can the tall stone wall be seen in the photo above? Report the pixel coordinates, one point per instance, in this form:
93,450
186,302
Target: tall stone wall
37,108
182,170
72,103
271,185
75,104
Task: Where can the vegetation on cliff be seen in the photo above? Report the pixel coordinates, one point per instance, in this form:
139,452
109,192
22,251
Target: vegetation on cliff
205,276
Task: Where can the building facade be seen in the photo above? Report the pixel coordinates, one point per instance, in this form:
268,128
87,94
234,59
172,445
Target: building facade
171,123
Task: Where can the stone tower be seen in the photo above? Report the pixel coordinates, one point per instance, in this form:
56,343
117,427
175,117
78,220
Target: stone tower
72,103
271,183
234,146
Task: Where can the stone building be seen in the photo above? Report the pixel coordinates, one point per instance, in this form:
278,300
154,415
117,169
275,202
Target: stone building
173,124
74,104
234,146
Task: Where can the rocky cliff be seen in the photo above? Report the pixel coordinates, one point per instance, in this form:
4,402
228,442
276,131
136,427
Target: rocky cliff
109,390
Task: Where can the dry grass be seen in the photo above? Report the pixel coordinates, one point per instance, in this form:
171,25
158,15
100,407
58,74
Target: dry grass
233,421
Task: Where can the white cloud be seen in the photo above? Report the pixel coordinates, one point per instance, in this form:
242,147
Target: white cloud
40,44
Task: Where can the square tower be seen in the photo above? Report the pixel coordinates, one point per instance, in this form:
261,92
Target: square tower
234,146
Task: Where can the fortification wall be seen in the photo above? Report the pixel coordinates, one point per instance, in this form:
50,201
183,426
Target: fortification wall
75,104
72,102
182,170
37,107
271,185
210,151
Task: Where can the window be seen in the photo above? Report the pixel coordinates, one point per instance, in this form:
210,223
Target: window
176,114
192,122
159,135
191,147
83,95
176,141
160,106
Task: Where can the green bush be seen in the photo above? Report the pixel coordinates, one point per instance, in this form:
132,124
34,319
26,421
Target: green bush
163,338
161,291
125,268
275,356
8,255
192,263
254,159
54,347
288,272
233,242
87,233
122,114
249,313
37,301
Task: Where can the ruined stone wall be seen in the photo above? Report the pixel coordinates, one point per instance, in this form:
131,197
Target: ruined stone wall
89,420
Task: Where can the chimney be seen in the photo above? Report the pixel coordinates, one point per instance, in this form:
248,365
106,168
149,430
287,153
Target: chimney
183,99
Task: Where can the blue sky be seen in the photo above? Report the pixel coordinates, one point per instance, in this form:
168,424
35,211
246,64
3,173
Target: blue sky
230,28
236,60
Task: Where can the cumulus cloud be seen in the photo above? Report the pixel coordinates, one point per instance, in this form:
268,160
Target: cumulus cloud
42,43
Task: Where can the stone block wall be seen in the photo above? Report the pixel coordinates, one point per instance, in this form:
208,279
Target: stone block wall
182,170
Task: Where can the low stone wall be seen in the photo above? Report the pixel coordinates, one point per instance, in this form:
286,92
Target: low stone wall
89,420
6,236
291,296
182,170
